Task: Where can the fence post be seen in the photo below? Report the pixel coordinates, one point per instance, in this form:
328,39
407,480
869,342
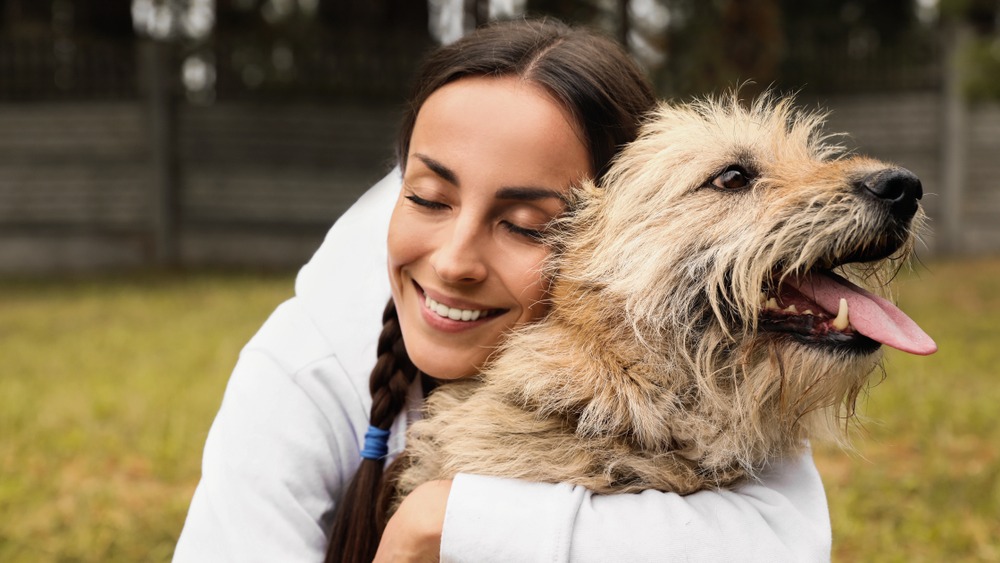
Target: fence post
164,197
476,14
954,157
624,24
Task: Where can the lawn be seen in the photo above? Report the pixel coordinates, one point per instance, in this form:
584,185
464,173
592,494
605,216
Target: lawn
109,385
924,484
106,395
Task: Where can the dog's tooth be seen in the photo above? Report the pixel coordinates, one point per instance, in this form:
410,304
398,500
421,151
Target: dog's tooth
808,312
791,309
842,321
772,303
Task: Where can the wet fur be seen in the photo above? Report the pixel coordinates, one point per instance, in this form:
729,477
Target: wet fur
649,372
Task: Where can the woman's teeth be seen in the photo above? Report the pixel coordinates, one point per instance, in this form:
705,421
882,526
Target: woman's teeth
451,313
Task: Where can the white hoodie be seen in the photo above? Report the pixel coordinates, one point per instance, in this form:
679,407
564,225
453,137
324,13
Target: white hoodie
287,441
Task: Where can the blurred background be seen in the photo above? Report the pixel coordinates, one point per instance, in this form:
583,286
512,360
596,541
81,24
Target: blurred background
166,165
233,132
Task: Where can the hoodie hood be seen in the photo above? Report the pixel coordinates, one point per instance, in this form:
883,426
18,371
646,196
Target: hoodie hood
345,285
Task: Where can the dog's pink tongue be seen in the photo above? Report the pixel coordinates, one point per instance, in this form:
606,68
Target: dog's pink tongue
869,314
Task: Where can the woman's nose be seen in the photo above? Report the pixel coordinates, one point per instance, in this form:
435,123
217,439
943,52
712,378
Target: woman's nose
459,256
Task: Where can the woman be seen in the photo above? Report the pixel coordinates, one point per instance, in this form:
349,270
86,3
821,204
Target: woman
502,123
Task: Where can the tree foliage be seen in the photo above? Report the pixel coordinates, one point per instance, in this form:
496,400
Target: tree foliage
700,46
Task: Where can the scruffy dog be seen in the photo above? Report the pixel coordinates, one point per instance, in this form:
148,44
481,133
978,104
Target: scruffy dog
707,315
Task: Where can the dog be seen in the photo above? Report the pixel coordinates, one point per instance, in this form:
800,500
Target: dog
708,312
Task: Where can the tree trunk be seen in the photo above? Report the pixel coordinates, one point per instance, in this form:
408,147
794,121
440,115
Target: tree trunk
477,13
624,25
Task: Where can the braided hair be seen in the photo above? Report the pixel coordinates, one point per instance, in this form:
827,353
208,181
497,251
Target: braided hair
358,512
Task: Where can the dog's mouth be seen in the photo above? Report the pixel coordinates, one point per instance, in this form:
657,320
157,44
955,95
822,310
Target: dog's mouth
822,308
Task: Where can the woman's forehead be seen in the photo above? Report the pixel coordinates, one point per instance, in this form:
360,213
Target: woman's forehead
500,123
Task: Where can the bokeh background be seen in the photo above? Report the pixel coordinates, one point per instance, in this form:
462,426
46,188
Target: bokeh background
167,165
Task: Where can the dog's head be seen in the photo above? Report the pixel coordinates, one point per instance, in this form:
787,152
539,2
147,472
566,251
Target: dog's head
738,241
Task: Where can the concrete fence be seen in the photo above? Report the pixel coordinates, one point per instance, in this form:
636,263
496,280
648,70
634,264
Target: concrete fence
258,185
961,187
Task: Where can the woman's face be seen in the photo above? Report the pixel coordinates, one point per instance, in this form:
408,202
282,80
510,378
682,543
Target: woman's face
490,162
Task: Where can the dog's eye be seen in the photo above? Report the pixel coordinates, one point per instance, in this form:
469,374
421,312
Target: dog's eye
732,178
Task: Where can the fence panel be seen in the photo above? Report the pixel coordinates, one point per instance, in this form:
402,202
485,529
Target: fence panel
260,184
80,165
981,204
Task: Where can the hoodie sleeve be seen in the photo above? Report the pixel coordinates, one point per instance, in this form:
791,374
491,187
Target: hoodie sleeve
283,445
246,508
783,517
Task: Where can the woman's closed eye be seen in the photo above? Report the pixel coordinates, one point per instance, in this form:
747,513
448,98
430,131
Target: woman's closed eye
532,234
426,203
526,221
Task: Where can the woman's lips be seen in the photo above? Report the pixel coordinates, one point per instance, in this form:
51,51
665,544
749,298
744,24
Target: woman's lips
451,315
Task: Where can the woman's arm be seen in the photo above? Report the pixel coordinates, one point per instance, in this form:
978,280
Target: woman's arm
784,517
274,459
246,507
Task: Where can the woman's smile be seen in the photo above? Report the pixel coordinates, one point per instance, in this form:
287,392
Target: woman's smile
453,315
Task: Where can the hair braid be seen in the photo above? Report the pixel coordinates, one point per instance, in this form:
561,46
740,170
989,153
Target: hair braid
357,524
393,372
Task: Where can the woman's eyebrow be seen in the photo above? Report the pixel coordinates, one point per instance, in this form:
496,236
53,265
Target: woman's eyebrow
445,173
528,193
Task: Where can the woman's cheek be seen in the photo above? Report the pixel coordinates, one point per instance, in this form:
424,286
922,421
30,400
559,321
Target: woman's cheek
401,242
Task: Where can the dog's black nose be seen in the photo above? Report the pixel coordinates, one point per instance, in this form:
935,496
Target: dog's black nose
898,187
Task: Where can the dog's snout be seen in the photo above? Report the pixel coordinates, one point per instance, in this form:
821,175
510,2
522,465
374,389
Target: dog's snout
897,187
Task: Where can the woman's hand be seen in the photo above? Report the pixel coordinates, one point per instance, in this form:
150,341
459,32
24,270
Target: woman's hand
414,532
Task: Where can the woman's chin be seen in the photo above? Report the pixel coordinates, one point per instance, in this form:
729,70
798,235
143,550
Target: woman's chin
448,349
444,366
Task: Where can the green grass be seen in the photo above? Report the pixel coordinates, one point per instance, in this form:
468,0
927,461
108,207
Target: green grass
924,484
108,387
107,390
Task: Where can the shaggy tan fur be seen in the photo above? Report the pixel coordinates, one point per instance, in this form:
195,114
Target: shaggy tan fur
651,371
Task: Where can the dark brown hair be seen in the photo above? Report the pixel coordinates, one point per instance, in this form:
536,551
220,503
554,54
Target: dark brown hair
597,82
